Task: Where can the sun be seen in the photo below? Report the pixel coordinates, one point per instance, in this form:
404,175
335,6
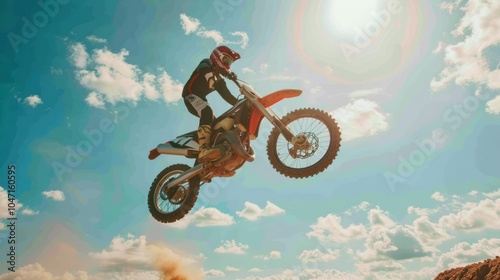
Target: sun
349,15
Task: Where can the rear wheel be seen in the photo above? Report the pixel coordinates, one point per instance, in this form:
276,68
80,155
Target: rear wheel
172,205
318,145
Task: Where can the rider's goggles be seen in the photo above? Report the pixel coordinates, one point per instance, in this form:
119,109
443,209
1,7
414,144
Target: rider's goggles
227,60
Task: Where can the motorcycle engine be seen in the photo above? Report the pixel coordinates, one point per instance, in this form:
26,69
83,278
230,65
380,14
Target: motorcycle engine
229,160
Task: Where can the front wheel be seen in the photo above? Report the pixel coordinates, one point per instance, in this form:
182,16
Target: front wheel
319,144
170,206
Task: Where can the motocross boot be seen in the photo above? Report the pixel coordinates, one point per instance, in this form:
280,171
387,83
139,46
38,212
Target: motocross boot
204,133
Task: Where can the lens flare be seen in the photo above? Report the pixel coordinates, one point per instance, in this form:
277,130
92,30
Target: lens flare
349,15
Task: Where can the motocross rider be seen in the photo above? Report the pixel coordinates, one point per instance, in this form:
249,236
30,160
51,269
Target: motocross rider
204,80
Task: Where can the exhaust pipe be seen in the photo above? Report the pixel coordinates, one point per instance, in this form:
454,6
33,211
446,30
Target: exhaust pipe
237,146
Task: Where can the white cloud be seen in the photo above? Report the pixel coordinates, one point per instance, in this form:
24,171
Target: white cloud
437,196
189,24
211,34
421,211
213,273
205,217
378,217
424,273
27,211
364,93
263,67
38,272
317,255
253,212
127,252
328,274
308,274
473,193
361,118
387,240
230,247
271,255
244,38
133,275
439,48
466,60
493,106
55,195
4,204
329,228
493,194
95,99
397,243
465,253
111,79
171,90
193,25
429,232
255,269
363,206
450,6
382,267
247,70
79,56
149,86
96,39
230,268
475,217
125,258
132,254
287,274
33,100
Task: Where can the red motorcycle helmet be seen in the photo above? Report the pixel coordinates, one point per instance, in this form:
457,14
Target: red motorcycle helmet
223,57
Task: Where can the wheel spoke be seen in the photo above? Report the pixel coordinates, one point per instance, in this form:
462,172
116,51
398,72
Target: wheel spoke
316,127
310,157
167,205
316,132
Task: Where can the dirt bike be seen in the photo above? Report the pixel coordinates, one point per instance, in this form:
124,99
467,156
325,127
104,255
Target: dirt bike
303,143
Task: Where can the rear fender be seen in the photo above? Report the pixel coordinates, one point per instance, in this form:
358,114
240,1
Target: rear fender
267,101
184,145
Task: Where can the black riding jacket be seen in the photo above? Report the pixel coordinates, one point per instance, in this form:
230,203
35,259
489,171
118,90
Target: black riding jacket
199,83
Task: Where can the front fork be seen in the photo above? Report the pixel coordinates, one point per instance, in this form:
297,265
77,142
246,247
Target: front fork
186,175
295,140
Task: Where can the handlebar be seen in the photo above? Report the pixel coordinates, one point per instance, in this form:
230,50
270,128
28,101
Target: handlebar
234,78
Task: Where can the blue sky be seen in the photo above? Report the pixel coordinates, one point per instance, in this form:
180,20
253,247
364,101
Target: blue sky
88,89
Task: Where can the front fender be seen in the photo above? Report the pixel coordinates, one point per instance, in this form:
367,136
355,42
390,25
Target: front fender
267,101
